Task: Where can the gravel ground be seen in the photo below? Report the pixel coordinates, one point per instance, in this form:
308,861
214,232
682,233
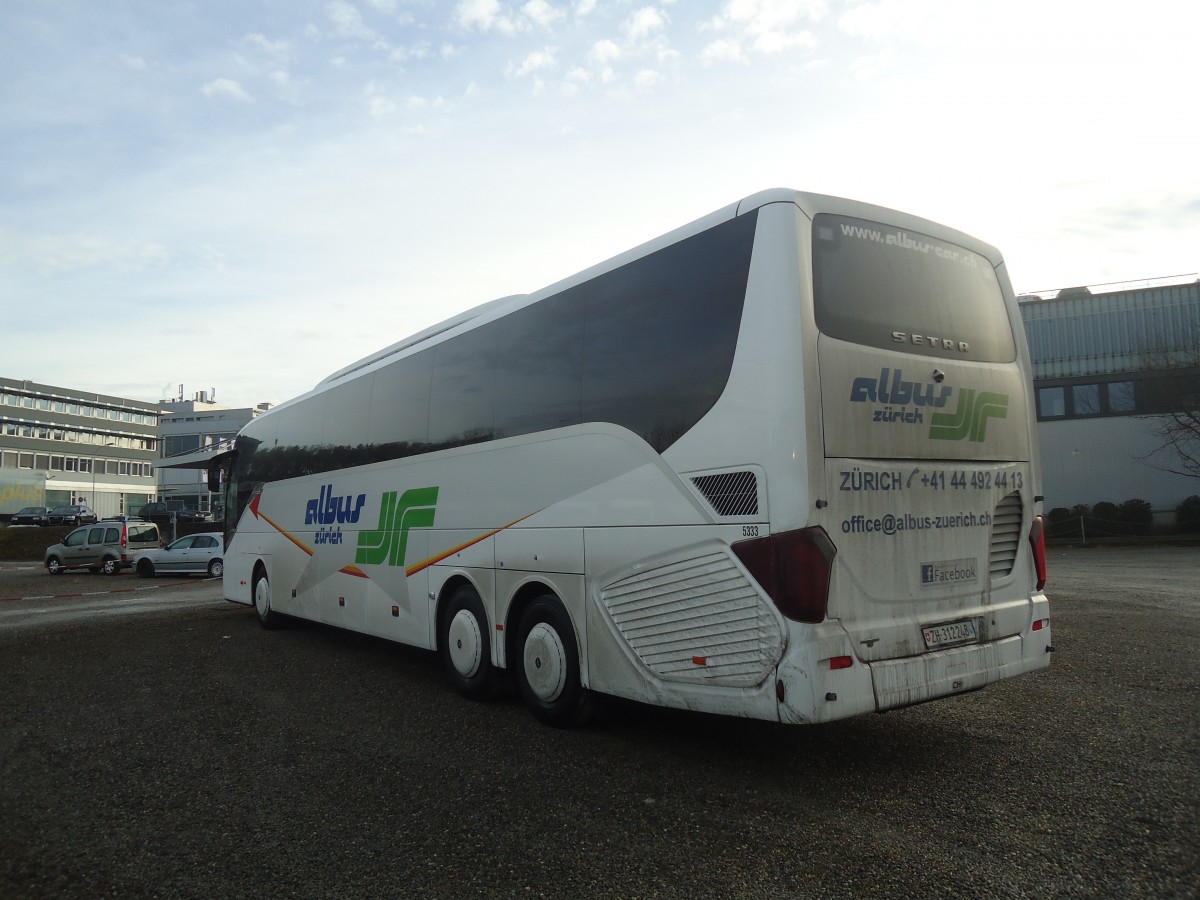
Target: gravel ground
185,752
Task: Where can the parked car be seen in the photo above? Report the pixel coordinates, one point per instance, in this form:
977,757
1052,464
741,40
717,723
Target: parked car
196,553
106,547
72,515
162,512
31,515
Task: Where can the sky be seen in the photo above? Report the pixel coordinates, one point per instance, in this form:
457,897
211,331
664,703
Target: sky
247,195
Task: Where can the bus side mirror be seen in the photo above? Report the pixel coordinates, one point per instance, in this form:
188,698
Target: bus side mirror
214,478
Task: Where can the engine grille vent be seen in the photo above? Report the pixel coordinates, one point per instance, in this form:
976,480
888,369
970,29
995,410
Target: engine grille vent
730,493
697,620
1006,536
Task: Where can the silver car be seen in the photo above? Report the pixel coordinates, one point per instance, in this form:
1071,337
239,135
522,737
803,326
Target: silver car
195,553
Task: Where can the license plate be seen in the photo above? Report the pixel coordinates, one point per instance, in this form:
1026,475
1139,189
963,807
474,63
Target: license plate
937,636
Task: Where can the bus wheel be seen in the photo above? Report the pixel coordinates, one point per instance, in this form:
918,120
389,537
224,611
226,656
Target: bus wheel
464,646
548,669
262,601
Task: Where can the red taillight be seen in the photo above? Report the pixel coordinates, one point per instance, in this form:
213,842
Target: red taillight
1037,540
124,535
794,569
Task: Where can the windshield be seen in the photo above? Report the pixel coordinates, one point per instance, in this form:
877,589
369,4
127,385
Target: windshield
902,290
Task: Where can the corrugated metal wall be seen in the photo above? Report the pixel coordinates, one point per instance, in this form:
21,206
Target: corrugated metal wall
1124,331
1089,460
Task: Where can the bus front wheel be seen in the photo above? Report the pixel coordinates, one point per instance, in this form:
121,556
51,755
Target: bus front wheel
548,668
464,645
262,601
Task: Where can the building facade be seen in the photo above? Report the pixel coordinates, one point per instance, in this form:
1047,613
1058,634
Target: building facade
187,426
1109,368
60,446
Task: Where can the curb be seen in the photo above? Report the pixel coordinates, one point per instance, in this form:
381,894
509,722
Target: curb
131,590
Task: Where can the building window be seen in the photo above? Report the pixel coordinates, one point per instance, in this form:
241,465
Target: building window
1052,403
1121,397
1086,399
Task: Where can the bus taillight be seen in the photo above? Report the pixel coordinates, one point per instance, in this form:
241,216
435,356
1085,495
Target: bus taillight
1037,540
794,568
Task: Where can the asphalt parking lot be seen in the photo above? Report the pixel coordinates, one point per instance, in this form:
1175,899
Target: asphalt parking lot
157,742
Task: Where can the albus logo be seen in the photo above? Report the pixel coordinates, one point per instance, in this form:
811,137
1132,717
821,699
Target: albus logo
905,402
330,513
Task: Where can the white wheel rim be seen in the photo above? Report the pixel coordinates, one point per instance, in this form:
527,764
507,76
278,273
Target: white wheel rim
262,596
545,662
465,643
218,570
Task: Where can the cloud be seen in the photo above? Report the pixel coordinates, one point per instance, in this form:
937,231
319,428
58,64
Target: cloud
765,27
643,23
347,20
226,87
646,78
604,52
537,61
723,50
541,13
73,252
418,51
486,15
276,49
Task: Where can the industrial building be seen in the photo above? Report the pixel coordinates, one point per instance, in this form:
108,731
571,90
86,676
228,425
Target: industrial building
188,426
61,446
1108,367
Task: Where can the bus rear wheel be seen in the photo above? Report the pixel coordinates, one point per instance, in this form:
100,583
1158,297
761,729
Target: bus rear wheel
464,645
548,667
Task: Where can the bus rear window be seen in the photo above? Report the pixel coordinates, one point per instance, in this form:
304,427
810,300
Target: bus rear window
887,287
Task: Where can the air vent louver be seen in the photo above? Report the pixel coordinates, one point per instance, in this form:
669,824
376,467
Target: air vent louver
730,493
1006,536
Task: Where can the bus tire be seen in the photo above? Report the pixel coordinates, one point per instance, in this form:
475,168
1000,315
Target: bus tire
464,645
548,665
261,591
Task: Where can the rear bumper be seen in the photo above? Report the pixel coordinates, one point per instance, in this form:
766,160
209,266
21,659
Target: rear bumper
815,692
903,682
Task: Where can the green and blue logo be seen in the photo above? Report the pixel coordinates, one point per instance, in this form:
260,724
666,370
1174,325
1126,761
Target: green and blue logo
901,402
387,543
970,419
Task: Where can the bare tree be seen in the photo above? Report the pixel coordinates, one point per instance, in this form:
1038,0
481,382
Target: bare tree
1179,429
1176,359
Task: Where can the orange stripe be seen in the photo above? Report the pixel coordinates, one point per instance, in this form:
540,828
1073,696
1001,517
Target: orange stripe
294,540
353,570
434,560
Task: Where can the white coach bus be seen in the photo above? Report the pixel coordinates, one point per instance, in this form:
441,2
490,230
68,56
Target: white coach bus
778,463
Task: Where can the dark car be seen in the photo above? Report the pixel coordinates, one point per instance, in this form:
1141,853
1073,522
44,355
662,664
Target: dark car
31,515
72,515
162,512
